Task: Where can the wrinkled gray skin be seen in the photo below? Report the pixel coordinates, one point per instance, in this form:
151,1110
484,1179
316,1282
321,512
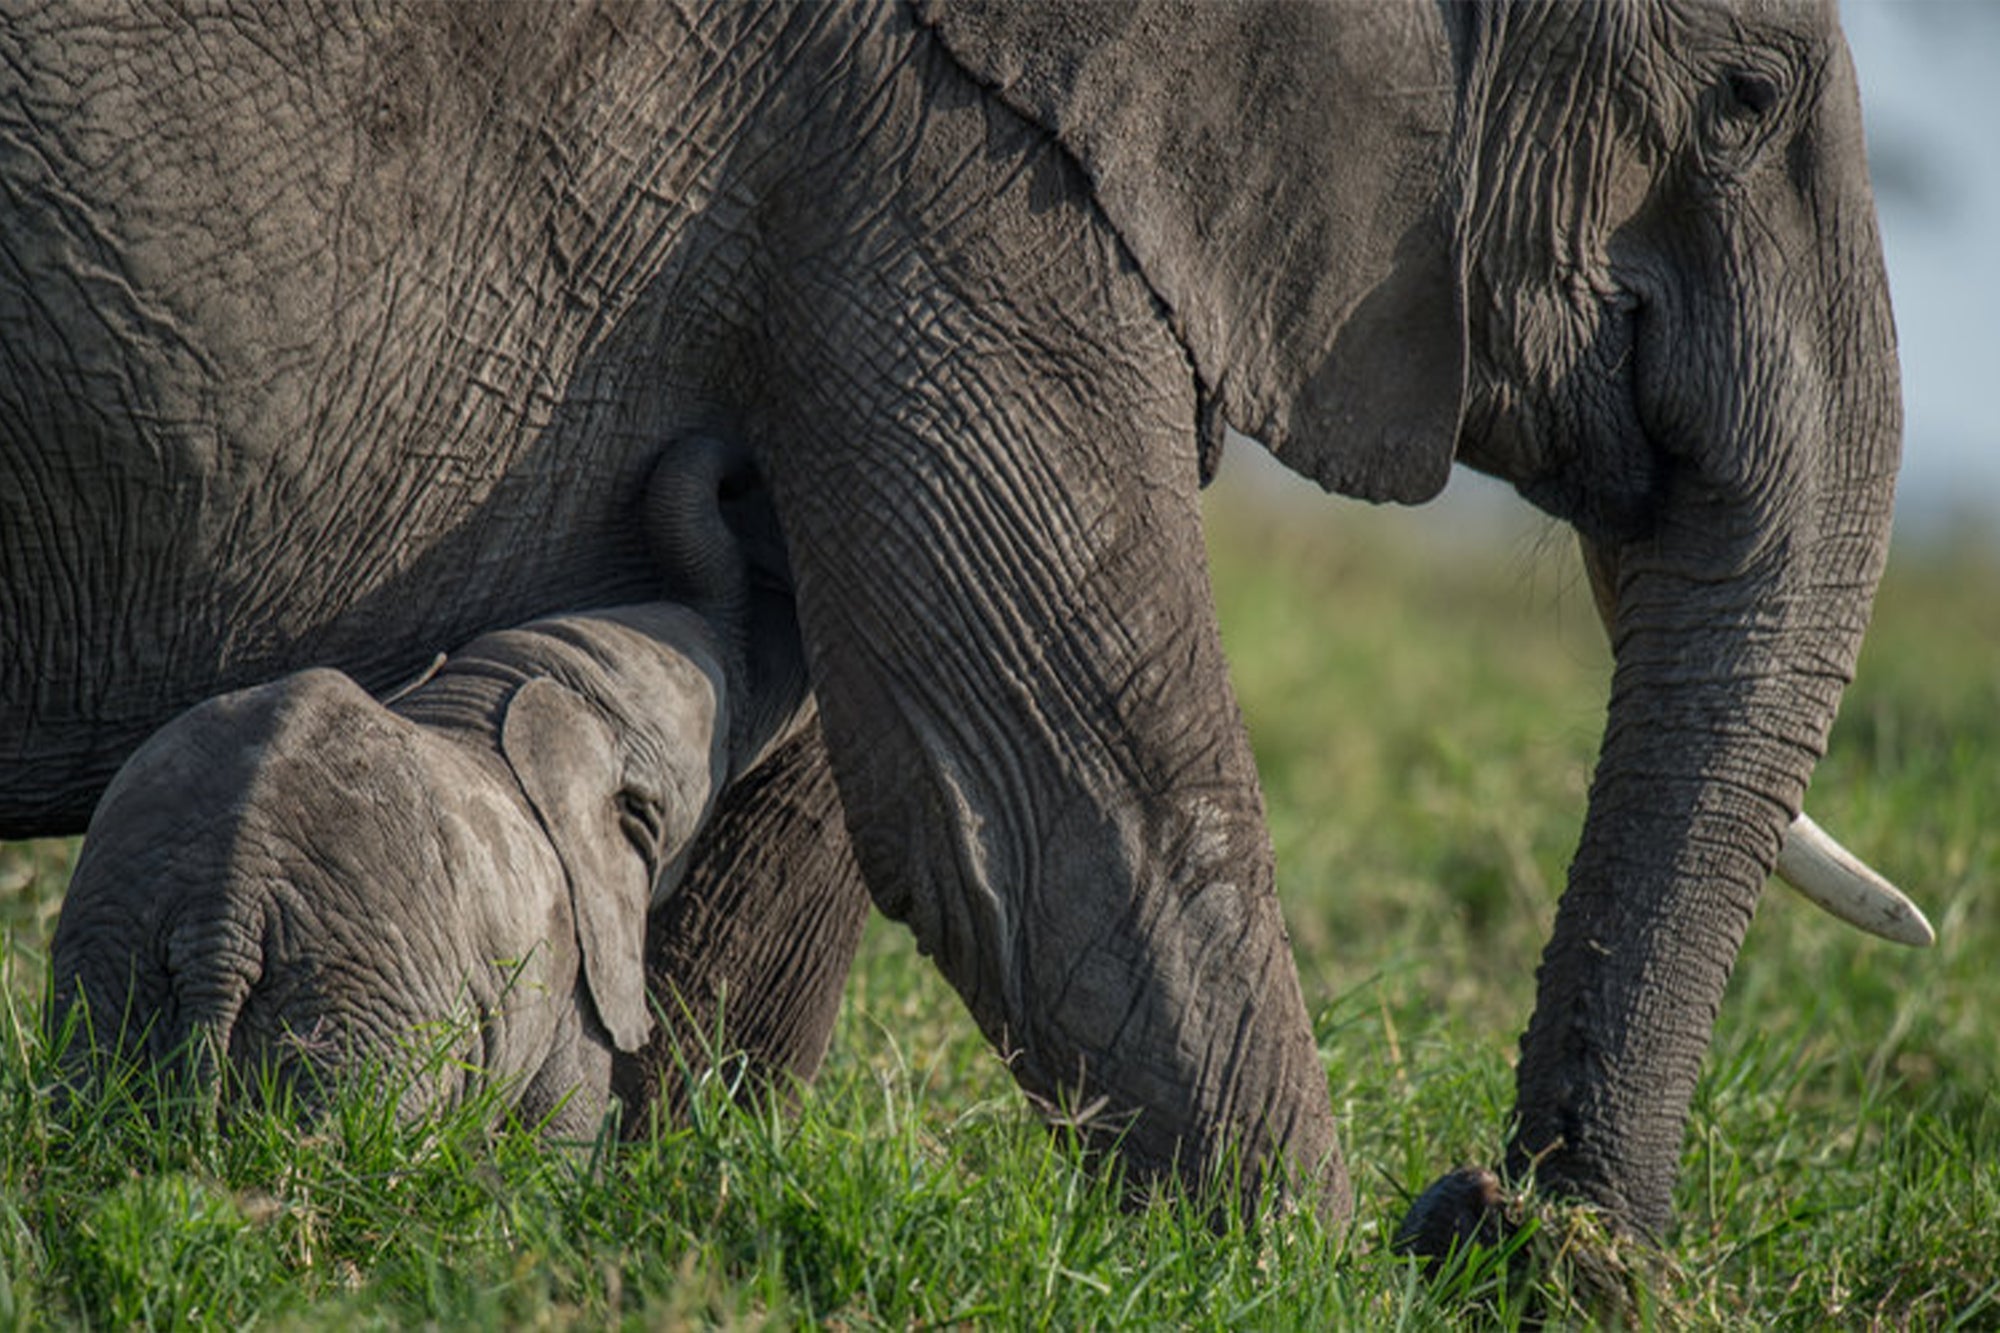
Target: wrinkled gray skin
351,344
295,879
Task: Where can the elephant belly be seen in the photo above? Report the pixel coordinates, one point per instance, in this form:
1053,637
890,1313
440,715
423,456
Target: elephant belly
367,350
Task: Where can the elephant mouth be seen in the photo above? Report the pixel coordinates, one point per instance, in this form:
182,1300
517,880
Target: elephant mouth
1602,505
1573,440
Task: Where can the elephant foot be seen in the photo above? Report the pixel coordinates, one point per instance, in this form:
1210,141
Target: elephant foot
1465,1207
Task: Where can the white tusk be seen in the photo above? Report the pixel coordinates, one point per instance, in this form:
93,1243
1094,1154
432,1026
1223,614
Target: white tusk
1835,879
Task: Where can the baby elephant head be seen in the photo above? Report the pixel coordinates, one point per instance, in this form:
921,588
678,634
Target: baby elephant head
622,750
298,881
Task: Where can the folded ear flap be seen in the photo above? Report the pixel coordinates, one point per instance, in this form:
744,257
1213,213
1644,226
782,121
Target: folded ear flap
571,765
1279,172
1379,419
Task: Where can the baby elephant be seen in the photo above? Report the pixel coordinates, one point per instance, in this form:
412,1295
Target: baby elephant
296,879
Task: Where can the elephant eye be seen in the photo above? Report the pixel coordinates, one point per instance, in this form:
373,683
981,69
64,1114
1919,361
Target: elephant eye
643,824
1739,116
1750,95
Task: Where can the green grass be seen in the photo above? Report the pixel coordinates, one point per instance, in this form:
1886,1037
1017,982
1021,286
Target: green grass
1425,707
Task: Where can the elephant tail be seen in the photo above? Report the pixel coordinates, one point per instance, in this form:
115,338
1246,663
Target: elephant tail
713,529
147,1025
153,965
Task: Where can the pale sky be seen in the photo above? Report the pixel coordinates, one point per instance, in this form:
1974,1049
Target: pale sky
1930,93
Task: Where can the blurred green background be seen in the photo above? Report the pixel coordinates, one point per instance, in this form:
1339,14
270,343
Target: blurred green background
1424,691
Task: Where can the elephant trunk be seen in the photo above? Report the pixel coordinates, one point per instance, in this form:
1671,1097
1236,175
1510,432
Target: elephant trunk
1766,389
1702,768
1812,863
1726,685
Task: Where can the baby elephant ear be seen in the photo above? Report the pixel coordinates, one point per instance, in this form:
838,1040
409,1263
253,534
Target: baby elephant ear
572,767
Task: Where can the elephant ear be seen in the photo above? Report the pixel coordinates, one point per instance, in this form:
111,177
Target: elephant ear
572,767
1275,168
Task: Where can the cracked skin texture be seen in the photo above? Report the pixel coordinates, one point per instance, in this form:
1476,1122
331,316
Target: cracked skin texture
369,352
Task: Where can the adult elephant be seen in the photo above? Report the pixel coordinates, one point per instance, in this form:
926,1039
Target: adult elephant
338,342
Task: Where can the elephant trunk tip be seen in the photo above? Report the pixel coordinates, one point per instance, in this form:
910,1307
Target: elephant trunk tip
1465,1207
